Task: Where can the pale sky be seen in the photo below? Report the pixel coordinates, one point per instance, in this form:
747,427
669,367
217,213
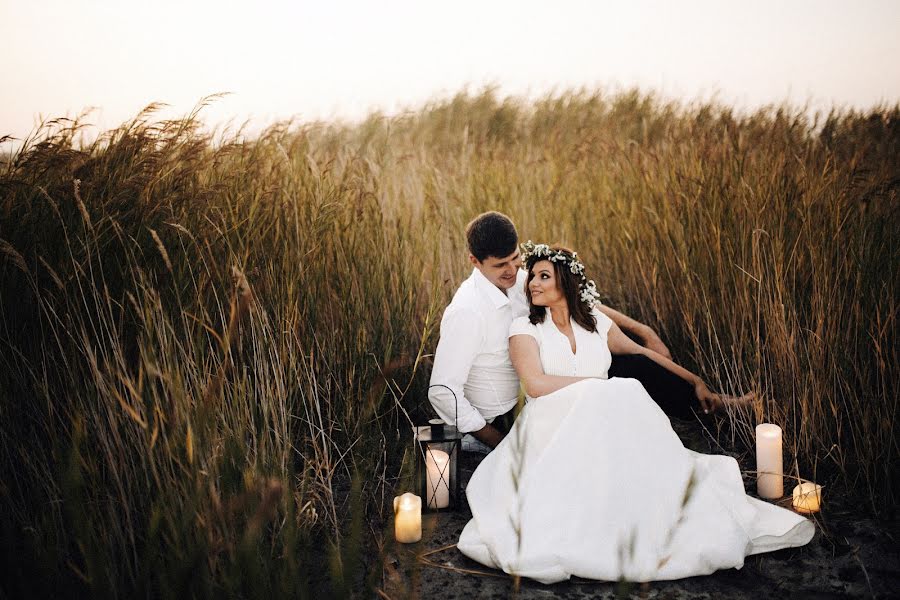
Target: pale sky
343,58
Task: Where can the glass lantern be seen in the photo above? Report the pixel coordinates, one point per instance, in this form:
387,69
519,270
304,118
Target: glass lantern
437,465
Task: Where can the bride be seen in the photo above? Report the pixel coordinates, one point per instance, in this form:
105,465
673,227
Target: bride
592,481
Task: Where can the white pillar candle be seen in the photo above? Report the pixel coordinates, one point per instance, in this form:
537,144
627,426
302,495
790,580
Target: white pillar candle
438,478
407,518
807,497
769,478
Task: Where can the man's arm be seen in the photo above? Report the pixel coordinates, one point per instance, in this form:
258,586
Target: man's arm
489,435
646,333
461,337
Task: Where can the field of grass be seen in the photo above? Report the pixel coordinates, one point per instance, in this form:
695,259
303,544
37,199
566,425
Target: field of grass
211,345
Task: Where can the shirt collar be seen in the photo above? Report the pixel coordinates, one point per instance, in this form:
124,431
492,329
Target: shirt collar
489,290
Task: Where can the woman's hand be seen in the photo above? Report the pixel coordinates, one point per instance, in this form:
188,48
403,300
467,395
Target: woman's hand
619,343
709,401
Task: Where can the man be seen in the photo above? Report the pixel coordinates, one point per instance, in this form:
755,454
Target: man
472,357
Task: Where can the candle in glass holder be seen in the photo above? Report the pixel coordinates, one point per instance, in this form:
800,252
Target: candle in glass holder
807,497
438,478
407,518
769,478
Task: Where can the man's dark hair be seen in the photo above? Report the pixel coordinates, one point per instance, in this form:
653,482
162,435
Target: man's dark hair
491,234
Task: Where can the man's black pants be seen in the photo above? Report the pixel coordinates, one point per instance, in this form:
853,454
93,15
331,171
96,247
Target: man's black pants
672,393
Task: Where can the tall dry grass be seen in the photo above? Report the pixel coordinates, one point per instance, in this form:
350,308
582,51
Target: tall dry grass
210,344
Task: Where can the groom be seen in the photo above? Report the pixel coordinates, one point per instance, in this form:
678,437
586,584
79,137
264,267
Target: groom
472,356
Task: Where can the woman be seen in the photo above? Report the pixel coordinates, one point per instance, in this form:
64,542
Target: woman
592,481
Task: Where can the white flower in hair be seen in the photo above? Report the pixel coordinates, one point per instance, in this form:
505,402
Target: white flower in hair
589,294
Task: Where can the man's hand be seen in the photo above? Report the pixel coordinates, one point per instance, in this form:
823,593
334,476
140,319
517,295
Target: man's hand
652,342
489,435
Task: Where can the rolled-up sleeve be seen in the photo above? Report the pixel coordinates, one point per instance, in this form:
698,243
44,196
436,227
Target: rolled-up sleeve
462,333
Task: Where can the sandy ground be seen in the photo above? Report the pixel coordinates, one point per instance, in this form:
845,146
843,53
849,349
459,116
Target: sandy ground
850,557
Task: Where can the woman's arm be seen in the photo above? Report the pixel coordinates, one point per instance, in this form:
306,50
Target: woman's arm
645,332
526,358
619,343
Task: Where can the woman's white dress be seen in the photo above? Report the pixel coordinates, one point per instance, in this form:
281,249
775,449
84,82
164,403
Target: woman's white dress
593,482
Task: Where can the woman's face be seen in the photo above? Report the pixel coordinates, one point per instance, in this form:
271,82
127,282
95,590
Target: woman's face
543,285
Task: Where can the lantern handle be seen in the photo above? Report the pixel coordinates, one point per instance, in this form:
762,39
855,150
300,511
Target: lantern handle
455,403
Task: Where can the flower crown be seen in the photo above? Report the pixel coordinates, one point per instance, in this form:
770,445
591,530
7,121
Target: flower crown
587,289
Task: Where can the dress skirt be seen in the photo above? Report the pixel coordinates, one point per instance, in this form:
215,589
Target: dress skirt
593,482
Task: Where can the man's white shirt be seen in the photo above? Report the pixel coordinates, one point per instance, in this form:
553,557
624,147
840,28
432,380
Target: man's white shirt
472,356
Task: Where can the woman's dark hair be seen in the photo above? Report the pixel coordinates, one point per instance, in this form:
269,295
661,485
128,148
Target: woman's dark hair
569,283
491,234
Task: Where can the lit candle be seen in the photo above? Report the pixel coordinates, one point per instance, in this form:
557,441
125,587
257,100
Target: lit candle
438,479
407,518
769,478
807,497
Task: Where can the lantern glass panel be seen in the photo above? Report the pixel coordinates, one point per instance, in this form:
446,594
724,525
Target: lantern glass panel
437,464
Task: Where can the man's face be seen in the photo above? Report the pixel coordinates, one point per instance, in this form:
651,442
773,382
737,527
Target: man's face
500,271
